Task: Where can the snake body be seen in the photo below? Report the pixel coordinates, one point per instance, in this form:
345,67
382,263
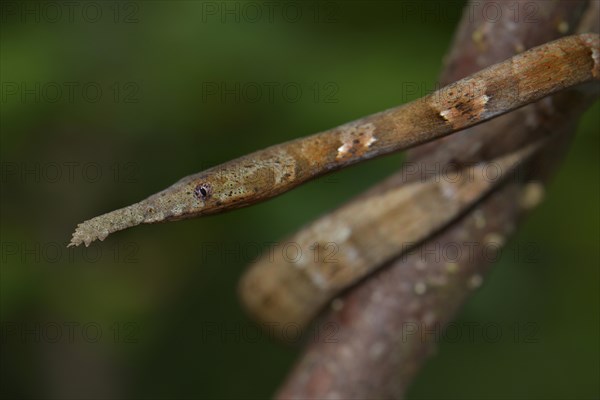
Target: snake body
496,90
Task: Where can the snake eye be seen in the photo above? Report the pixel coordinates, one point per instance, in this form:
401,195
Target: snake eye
202,191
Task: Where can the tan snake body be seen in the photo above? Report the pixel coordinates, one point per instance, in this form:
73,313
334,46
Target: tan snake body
496,90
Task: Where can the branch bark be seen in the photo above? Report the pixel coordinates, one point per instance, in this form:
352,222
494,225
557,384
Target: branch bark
377,353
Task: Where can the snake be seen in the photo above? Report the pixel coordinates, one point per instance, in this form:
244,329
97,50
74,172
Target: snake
522,79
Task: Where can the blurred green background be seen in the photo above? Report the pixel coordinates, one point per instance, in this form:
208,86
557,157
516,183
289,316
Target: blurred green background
111,102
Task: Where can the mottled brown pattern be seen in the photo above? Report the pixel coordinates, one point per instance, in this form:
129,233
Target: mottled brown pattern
277,169
355,140
464,104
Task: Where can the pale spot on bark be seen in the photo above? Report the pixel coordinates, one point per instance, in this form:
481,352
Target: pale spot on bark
448,189
420,288
477,37
452,267
495,239
531,195
475,281
562,27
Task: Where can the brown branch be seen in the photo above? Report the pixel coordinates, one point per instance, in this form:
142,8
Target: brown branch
378,354
351,242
